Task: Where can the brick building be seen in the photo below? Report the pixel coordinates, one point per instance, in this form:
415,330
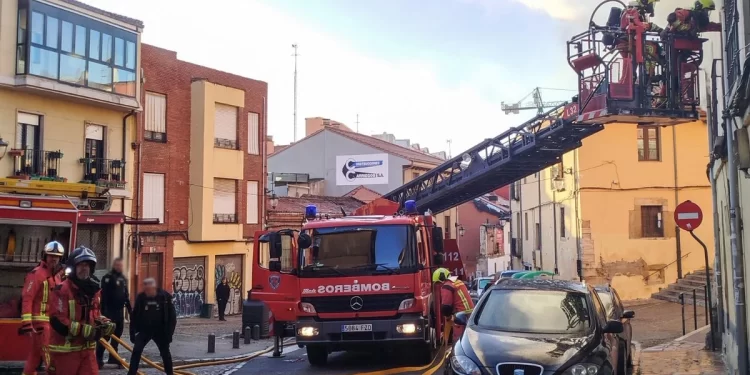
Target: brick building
201,167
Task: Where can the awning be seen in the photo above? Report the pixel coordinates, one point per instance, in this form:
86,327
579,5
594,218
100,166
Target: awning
101,218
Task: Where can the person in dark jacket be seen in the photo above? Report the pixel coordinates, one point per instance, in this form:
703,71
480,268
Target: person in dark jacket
154,318
115,298
222,297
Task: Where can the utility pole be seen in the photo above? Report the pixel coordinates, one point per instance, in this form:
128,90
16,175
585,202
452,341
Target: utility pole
357,122
295,90
449,148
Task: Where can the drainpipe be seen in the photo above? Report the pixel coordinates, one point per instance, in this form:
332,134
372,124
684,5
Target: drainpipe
713,123
554,225
264,163
520,222
579,250
678,245
124,157
539,235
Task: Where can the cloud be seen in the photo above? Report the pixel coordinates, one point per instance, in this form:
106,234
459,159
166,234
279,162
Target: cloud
336,78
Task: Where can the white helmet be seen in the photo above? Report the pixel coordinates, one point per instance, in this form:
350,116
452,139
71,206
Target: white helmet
54,248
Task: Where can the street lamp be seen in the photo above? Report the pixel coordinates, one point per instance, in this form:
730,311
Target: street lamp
274,201
461,229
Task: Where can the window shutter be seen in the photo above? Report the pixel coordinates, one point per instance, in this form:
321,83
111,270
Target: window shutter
225,192
95,132
153,196
667,218
156,112
635,223
253,134
252,202
225,122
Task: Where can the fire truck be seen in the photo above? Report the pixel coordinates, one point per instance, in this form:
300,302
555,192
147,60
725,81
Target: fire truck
32,213
365,280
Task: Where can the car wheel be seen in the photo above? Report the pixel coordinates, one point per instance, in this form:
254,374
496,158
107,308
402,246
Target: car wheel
317,355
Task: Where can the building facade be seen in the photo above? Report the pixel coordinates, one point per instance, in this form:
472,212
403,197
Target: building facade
480,231
69,91
202,174
609,206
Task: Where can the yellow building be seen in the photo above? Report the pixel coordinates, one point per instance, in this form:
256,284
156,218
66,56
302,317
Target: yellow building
609,205
69,89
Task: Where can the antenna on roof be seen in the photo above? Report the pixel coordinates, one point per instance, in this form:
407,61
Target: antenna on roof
342,211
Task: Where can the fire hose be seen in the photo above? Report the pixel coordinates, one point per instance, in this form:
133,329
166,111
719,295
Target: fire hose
178,370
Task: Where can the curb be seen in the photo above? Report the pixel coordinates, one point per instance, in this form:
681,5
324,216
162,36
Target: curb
695,332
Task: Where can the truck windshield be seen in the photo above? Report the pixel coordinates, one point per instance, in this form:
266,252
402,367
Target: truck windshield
360,250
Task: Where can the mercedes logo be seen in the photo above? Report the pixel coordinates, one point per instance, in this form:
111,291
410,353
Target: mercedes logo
356,303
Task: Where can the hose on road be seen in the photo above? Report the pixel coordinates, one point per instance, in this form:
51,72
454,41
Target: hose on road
179,370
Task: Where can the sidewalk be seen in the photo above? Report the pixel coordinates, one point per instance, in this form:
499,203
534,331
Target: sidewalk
685,355
190,343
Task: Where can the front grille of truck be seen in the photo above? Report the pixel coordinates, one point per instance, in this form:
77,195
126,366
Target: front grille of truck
509,368
343,304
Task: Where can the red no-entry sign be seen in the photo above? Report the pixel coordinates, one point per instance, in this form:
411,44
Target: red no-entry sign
688,216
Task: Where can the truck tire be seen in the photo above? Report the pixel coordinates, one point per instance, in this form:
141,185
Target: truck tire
317,355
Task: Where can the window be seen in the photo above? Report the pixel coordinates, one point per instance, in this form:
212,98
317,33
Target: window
253,134
526,226
28,139
225,126
649,144
153,196
414,175
447,224
538,239
96,238
225,197
252,202
95,166
156,117
562,221
75,49
651,221
518,225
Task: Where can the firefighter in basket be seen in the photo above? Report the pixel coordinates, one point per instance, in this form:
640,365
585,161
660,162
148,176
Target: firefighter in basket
692,21
76,321
454,298
35,305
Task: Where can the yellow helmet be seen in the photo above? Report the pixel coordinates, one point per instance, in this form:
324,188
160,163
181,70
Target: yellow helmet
705,4
440,275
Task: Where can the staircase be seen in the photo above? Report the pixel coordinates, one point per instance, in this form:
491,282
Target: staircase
694,280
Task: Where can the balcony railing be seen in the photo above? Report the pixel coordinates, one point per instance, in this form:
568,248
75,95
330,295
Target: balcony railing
108,173
225,218
36,164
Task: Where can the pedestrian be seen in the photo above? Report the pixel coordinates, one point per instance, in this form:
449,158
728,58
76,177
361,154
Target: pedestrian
154,318
35,300
115,298
75,318
222,297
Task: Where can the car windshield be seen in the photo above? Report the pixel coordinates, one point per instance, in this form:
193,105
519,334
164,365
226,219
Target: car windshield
606,299
535,311
360,249
482,283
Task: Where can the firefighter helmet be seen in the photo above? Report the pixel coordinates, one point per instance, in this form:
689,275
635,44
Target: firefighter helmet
705,4
440,275
54,248
83,254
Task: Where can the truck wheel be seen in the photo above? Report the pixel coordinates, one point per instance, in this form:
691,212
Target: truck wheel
317,355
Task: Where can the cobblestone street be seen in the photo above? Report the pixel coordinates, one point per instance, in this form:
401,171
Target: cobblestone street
658,322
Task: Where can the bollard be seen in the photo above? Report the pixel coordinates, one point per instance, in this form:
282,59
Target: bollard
236,340
682,303
212,343
705,300
256,332
695,311
247,335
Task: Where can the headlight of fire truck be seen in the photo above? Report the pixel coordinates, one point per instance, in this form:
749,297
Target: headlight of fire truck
307,308
406,304
307,331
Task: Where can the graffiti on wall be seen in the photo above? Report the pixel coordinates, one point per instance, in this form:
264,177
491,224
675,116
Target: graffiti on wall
231,268
189,287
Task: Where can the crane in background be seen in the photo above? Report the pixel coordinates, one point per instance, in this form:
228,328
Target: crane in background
538,104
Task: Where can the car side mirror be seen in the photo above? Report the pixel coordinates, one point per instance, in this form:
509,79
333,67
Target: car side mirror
437,239
614,326
628,314
274,266
304,241
437,260
461,318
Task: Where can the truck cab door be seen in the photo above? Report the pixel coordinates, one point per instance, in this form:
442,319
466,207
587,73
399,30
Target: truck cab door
274,274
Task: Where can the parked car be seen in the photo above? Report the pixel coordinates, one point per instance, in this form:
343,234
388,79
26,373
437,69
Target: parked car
479,286
615,310
536,327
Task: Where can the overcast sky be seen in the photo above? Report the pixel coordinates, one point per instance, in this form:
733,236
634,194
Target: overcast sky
425,70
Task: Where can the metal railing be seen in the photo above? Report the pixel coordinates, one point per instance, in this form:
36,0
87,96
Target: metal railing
104,172
695,307
37,164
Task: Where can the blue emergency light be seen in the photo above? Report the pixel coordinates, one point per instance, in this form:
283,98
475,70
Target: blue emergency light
311,211
410,206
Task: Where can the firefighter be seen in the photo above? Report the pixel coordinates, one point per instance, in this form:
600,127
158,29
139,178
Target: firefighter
115,298
154,318
454,297
692,21
76,320
35,305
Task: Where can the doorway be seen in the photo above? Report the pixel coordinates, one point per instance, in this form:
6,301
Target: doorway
151,266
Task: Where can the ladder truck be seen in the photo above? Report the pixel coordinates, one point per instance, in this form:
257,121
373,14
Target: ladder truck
366,280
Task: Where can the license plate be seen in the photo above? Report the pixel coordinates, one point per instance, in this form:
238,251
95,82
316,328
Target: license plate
356,328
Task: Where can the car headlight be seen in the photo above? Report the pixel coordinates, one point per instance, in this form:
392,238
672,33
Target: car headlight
464,365
583,369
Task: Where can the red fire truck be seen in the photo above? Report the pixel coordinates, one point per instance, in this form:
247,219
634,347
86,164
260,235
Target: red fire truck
27,223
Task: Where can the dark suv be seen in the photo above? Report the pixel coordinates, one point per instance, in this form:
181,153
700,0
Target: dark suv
536,327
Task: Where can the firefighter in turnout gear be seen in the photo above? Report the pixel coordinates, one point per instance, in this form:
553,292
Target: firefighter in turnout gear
35,305
115,299
693,21
76,321
454,297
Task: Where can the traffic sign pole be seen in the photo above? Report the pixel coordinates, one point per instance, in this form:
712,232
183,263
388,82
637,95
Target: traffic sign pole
688,216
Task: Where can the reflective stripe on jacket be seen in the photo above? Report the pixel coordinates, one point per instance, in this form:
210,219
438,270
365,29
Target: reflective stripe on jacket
36,295
73,319
457,295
